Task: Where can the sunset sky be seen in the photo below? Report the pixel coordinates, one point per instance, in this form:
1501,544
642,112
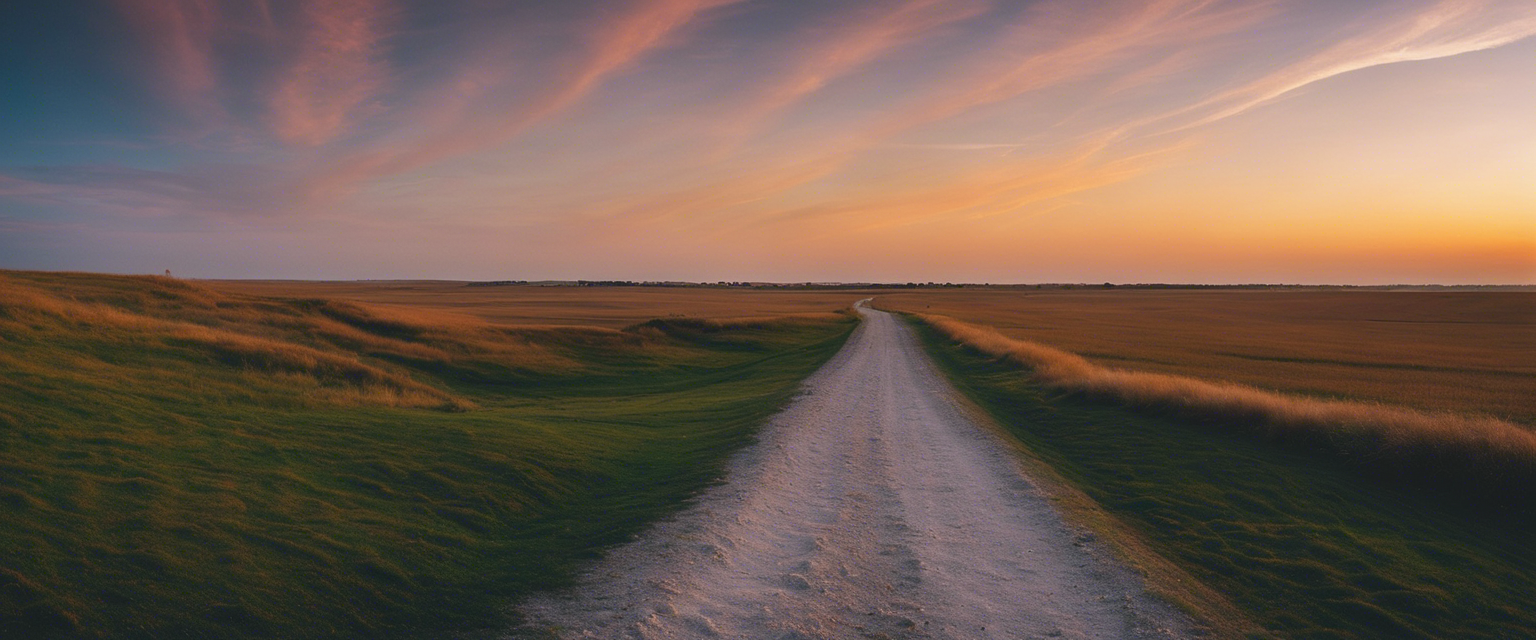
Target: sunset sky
1309,141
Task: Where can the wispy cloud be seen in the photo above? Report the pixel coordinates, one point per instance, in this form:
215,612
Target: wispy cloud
179,36
1448,28
1001,188
839,46
324,59
959,146
610,44
337,70
609,121
213,190
1057,43
1052,45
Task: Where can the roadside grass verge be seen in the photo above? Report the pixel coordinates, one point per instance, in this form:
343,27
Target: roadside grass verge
1478,459
178,462
1297,540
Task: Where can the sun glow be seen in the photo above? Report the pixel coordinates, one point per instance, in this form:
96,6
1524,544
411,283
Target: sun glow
705,139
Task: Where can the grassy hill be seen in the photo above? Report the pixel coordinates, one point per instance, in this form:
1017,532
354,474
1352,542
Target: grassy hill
177,461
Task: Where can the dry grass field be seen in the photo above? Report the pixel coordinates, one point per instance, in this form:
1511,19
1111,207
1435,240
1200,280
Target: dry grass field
1487,456
396,458
180,461
612,307
1342,464
1462,352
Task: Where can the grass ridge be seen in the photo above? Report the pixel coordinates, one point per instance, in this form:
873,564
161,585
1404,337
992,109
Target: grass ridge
1486,459
1297,541
176,461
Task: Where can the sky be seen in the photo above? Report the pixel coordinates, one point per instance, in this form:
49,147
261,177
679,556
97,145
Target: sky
1201,141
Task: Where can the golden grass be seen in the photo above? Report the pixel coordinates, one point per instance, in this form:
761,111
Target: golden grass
317,345
525,305
342,379
333,377
361,351
1480,452
1461,352
180,461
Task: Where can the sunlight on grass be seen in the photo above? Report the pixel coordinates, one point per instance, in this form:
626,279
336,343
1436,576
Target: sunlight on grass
1297,540
180,462
1494,459
1459,352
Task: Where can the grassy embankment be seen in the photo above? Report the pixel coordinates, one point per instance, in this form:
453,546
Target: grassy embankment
1283,523
177,461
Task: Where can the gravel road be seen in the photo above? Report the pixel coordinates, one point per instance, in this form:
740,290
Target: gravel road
871,507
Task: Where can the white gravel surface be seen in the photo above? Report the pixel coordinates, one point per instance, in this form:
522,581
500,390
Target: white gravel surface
871,507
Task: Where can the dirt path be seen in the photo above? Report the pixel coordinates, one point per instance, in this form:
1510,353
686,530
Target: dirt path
871,507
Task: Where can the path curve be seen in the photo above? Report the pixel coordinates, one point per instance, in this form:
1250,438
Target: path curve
871,507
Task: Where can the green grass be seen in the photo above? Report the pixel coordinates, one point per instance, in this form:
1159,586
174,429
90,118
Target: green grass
1307,547
155,487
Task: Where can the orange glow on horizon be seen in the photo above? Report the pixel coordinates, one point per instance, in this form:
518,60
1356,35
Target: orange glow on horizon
1173,140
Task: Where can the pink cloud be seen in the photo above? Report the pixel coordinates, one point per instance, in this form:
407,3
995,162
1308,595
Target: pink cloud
179,35
338,68
846,44
1079,47
612,44
1448,28
1054,46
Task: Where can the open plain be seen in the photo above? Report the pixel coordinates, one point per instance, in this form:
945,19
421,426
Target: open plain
410,459
469,319
533,304
1466,352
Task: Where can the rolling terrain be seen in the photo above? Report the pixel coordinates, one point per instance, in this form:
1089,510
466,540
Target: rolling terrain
532,304
176,461
405,459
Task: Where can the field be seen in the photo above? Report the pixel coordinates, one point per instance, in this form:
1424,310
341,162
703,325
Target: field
612,307
178,460
1289,528
1464,352
402,459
